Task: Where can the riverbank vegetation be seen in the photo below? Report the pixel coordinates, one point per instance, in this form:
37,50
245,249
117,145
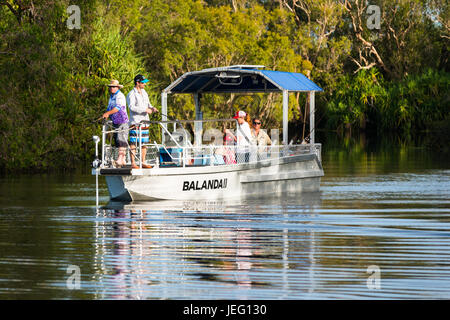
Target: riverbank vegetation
390,78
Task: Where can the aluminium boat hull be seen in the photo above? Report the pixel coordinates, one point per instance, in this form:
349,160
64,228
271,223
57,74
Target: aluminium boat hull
295,174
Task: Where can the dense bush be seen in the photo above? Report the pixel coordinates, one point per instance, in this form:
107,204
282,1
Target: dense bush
406,106
53,78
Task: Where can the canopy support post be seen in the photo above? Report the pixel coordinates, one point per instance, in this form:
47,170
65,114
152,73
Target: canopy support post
163,113
311,116
285,116
198,126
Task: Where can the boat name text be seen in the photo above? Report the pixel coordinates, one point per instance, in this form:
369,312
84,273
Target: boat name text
206,185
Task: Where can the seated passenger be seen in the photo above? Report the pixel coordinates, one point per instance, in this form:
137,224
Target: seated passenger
260,139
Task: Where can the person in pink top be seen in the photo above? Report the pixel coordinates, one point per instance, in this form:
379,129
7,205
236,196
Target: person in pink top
228,140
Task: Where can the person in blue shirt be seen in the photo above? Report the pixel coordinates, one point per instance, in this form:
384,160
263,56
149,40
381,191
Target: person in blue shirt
117,111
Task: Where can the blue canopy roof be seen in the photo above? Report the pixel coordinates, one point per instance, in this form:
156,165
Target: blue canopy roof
240,79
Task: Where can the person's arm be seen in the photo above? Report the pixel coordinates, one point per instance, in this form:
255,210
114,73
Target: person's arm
229,133
110,112
120,102
129,99
150,108
247,134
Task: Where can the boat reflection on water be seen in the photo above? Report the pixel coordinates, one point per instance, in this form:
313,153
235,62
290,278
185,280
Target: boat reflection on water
247,249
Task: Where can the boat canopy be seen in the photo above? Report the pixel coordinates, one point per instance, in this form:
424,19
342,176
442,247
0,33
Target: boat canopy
242,79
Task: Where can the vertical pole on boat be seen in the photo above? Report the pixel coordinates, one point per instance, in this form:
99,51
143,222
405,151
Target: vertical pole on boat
103,142
96,166
198,116
285,116
163,113
96,189
311,116
140,146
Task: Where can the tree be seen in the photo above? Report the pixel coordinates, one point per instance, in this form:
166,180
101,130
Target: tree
54,81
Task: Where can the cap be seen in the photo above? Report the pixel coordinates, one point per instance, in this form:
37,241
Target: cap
239,114
140,78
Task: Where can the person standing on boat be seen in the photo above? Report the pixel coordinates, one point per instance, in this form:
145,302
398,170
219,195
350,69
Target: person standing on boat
117,111
140,108
260,139
243,137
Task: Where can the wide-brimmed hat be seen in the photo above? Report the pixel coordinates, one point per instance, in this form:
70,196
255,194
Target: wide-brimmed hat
115,83
239,114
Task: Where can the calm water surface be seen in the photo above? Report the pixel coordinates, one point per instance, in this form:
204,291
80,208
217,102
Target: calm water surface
387,209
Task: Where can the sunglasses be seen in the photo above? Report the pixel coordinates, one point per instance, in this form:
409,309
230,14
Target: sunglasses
256,122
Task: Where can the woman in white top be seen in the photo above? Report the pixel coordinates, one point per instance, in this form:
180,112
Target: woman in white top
243,137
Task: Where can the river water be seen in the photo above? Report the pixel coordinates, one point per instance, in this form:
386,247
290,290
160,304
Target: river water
379,229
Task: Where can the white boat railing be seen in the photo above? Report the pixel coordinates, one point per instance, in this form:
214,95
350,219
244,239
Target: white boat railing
176,154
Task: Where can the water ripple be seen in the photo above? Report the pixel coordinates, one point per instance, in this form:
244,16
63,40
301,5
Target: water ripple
317,246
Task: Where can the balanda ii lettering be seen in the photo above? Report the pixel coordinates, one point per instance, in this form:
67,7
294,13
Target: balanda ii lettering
205,184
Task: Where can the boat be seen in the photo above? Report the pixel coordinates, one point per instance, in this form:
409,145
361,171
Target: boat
185,168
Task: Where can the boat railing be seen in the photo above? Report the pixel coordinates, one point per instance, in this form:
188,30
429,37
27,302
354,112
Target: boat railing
216,155
179,152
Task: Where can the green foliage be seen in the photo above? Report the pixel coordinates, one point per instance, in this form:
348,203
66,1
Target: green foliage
53,79
417,101
355,97
407,106
54,86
